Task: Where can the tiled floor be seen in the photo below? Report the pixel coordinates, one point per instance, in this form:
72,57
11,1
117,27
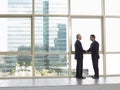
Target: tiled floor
57,82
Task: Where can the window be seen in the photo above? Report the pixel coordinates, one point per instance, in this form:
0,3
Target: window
112,7
86,27
86,7
113,64
51,6
37,36
112,34
51,34
15,66
15,6
15,34
51,65
87,65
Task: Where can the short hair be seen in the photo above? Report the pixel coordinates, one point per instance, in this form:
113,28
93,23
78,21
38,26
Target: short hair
93,35
77,36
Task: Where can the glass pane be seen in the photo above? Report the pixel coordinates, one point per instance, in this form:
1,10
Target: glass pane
15,66
51,65
15,34
15,6
86,27
87,65
86,7
112,7
51,6
51,34
112,34
113,64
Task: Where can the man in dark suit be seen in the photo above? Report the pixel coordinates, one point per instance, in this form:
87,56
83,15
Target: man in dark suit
94,49
79,57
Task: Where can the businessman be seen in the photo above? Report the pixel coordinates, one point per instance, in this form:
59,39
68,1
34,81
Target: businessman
94,49
79,57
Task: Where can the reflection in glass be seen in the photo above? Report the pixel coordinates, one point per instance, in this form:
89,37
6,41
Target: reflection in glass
51,65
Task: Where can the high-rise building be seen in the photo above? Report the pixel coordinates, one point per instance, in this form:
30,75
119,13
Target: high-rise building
46,31
46,26
60,41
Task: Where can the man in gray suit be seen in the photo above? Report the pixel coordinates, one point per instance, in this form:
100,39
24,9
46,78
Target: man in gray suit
79,57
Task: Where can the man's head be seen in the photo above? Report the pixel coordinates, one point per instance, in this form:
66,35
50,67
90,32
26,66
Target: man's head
79,37
92,37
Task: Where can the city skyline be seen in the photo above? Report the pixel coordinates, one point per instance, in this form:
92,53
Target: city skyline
50,36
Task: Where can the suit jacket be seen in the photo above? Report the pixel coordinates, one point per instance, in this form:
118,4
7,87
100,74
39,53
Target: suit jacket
94,49
78,50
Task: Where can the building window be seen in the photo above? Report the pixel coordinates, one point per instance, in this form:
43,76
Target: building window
37,36
15,34
51,34
86,7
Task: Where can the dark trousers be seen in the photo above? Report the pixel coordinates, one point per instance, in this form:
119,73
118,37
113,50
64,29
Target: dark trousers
95,66
79,68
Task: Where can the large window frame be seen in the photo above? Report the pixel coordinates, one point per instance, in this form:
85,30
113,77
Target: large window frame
103,51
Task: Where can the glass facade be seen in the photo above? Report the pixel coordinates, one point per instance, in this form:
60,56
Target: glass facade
86,7
53,6
51,65
87,65
86,27
37,36
19,34
51,34
16,6
15,66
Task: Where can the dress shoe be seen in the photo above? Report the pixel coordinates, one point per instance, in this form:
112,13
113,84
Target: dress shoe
81,77
95,77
